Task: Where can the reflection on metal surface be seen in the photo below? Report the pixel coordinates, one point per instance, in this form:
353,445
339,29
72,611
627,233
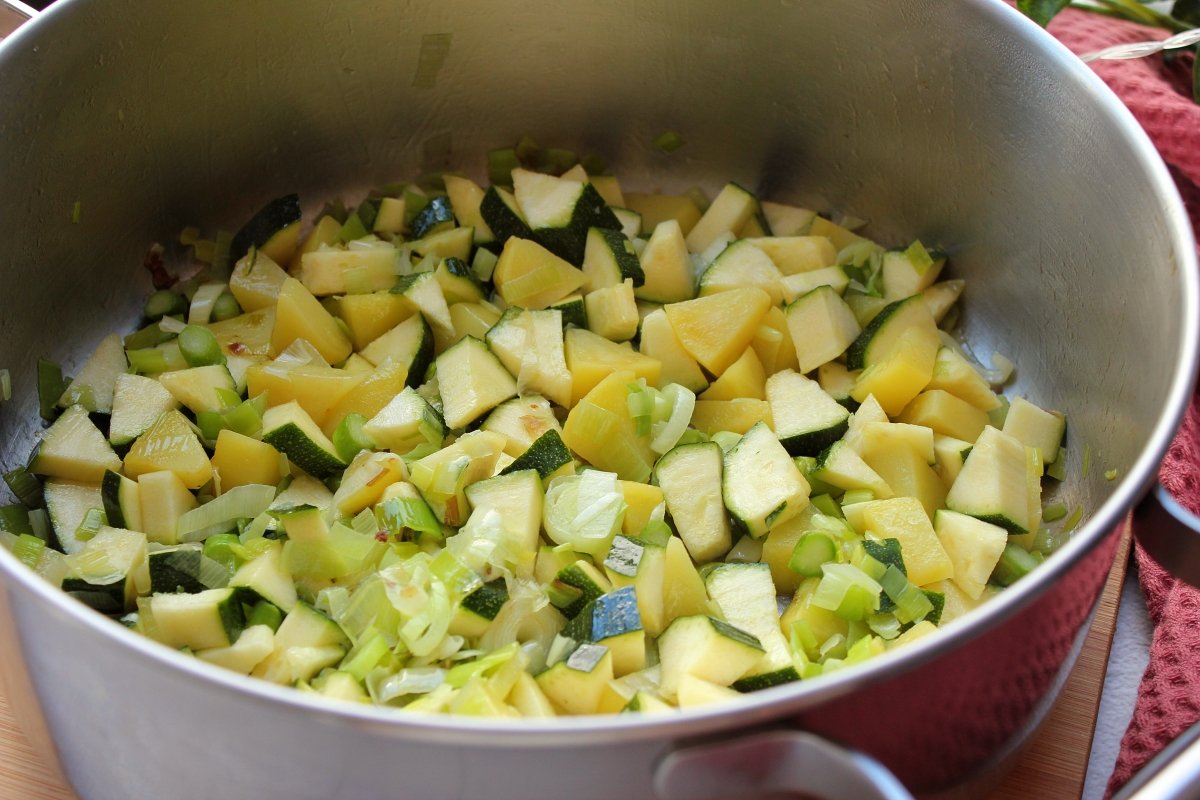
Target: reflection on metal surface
14,14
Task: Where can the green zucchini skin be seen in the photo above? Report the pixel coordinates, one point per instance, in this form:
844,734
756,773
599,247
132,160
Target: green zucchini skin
269,220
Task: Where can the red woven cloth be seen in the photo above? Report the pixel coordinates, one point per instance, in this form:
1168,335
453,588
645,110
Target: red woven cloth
1158,93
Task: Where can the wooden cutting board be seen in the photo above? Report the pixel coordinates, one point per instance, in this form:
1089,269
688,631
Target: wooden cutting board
1054,765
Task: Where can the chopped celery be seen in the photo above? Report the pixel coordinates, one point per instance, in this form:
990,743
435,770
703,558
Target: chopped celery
402,515
90,525
911,603
28,549
265,613
1015,563
656,532
1054,512
847,591
668,141
1057,468
223,548
15,519
25,486
349,438
199,346
51,386
812,550
826,505
164,303
1073,520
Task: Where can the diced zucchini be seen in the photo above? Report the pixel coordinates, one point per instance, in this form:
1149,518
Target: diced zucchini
822,327
137,402
666,265
108,571
478,609
74,449
212,618
176,569
729,211
590,582
941,297
291,431
499,210
992,483
266,578
409,343
521,421
691,479
423,291
517,498
908,272
613,621
575,685
745,594
560,212
530,346
436,216
786,220
806,419
458,282
405,422
610,260
94,384
122,503
841,466
903,373
1035,427
304,626
974,547
472,381
882,335
706,648
761,485
612,312
252,647
739,265
547,455
67,502
802,283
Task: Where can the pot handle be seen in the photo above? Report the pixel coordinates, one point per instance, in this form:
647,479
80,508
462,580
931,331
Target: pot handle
774,762
14,14
1170,533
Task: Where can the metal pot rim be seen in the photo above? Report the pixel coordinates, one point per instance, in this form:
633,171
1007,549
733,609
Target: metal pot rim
764,706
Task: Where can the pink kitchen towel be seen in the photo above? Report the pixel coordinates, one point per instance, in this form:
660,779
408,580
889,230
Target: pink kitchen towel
1158,92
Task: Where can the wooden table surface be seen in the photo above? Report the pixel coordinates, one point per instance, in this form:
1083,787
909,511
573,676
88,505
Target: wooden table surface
1053,766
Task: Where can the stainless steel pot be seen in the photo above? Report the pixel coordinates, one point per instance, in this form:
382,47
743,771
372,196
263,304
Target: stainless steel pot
958,122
